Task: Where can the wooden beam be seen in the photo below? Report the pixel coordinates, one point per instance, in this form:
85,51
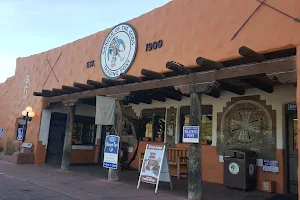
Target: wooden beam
72,89
114,174
38,94
96,84
152,74
61,91
258,84
83,86
251,55
284,78
112,82
231,88
171,95
214,93
157,97
48,93
209,64
66,157
195,150
130,99
142,97
130,78
177,67
201,78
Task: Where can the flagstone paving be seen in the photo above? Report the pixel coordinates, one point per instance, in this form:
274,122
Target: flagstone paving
26,182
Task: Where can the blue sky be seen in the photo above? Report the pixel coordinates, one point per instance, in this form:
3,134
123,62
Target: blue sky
29,27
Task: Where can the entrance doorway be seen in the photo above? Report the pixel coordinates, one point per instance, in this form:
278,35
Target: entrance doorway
292,151
56,138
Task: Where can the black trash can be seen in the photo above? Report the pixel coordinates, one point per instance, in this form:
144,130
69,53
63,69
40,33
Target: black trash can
240,169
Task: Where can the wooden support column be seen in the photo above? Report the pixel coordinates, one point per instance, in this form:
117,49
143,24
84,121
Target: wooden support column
114,174
195,152
66,158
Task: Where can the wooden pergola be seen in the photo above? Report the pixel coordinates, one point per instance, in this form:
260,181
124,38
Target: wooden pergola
208,77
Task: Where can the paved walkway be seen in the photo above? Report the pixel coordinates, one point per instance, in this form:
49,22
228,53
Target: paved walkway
26,182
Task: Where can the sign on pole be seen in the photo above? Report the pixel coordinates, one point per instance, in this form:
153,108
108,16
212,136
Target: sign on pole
191,134
111,152
20,134
155,166
1,132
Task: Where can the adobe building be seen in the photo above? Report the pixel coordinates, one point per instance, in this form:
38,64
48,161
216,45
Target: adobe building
248,85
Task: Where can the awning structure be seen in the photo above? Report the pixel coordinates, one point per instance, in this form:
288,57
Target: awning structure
262,71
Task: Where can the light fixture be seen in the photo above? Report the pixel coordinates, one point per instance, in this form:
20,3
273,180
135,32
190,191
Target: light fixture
31,114
24,113
27,114
28,109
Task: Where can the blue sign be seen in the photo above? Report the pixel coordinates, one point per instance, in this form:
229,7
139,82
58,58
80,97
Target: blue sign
191,134
20,134
292,106
1,132
111,152
270,166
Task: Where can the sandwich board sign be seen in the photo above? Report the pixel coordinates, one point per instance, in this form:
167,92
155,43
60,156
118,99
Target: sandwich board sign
111,152
190,134
155,166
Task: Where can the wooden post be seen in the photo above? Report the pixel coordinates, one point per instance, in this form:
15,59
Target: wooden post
114,174
195,152
66,158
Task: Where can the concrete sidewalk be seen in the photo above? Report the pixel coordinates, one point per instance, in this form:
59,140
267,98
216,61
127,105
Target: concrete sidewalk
24,182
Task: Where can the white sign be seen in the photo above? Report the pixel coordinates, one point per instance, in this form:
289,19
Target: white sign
270,166
26,145
118,50
155,166
111,152
191,134
1,132
20,134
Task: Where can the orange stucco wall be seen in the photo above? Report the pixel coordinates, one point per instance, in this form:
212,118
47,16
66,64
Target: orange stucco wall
188,28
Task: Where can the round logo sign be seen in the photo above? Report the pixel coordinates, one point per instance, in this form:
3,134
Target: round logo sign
234,168
118,50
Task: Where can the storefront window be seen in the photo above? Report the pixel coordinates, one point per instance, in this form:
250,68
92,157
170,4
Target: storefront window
155,128
206,122
84,131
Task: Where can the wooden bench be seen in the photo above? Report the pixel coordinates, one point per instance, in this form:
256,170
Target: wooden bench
177,157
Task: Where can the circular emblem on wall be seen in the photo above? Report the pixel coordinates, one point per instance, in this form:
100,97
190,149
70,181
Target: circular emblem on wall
234,168
118,50
251,169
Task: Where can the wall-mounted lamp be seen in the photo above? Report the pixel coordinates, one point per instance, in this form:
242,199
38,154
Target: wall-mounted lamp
27,114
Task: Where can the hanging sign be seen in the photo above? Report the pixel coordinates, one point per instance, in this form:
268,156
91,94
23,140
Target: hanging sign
1,132
20,134
270,166
118,50
155,166
191,134
111,152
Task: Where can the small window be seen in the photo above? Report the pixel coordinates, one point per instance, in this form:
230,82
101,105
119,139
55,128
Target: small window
206,122
155,128
84,131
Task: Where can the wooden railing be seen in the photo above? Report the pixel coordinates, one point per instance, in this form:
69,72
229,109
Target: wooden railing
177,157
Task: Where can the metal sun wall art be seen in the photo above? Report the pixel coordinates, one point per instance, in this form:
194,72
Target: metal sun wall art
247,124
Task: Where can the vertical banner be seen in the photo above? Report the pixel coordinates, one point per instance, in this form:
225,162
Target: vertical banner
111,152
155,166
1,132
20,134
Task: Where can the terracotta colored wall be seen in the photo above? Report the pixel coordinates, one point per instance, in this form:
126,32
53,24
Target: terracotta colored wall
188,28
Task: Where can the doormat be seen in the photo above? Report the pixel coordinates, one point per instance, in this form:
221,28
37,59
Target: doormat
283,197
